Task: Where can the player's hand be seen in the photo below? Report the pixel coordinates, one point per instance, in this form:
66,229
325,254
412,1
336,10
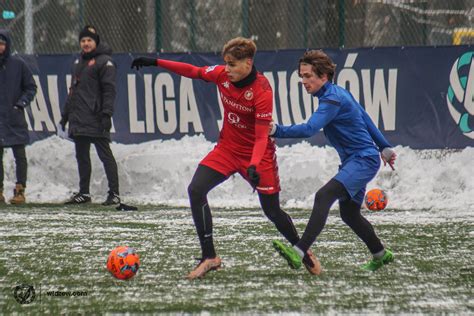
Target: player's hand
253,175
106,122
63,122
20,105
388,156
272,128
142,62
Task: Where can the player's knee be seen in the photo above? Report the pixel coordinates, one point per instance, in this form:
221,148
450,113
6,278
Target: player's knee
321,197
195,192
346,217
329,193
272,213
350,212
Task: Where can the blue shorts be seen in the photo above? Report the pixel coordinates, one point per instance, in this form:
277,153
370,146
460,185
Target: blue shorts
355,173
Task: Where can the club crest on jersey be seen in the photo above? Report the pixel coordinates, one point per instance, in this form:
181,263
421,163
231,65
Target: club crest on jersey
226,84
248,95
210,68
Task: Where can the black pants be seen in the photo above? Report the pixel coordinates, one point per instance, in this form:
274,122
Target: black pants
83,146
350,214
21,164
204,180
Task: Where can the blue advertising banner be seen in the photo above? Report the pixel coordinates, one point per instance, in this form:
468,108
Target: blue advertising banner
421,97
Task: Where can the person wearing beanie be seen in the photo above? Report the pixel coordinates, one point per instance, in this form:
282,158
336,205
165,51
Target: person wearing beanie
17,88
88,111
90,31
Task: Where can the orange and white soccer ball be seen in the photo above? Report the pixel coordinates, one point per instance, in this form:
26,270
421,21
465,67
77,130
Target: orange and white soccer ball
123,262
376,200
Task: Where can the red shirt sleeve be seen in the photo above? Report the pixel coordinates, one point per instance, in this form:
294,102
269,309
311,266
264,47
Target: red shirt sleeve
261,140
212,73
263,117
182,69
207,73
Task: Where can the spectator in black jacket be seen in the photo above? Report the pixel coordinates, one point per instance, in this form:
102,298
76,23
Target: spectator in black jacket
89,109
17,90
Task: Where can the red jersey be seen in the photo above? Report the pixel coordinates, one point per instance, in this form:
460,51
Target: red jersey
247,110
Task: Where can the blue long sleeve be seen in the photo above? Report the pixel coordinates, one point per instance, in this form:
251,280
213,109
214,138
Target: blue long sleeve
319,119
374,132
347,127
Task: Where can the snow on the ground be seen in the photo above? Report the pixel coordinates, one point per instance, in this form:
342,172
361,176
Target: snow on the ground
158,172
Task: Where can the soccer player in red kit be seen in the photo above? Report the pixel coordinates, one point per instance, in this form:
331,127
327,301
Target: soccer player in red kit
244,145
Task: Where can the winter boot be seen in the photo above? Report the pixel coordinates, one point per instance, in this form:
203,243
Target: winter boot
18,195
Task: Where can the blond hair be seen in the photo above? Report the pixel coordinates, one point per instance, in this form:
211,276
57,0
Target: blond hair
240,48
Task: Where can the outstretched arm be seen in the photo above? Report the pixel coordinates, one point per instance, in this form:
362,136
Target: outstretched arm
325,114
182,69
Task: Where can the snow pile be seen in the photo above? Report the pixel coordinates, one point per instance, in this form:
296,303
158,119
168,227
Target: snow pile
158,172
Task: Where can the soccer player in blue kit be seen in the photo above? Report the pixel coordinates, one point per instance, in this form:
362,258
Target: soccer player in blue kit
358,142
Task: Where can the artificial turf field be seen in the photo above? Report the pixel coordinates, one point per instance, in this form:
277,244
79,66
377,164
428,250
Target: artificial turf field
64,249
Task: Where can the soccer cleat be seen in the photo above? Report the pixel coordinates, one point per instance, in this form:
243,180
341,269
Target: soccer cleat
112,199
376,264
18,195
79,198
312,263
287,252
204,266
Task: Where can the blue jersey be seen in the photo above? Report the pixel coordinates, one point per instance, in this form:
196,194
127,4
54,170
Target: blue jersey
347,126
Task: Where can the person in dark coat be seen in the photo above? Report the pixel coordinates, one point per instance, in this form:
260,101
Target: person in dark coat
17,90
89,108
